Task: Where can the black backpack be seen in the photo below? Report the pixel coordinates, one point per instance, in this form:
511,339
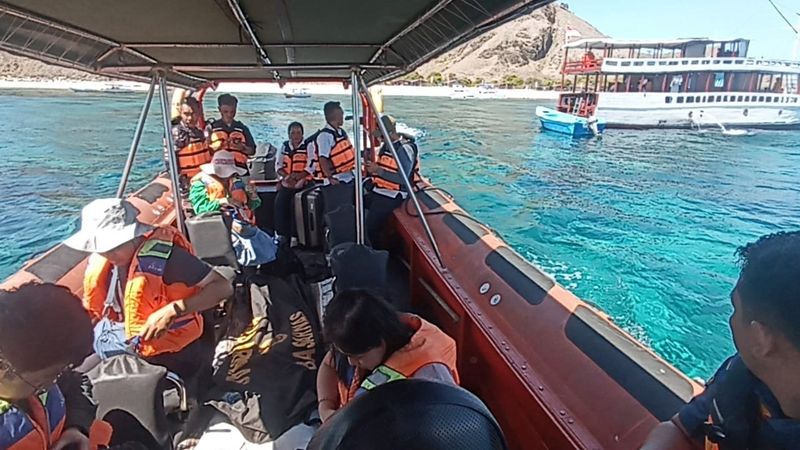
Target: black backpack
265,377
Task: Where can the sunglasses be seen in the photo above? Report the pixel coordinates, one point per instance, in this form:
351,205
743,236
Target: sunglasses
8,372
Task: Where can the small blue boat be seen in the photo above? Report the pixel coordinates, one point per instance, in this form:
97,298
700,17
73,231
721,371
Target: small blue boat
572,125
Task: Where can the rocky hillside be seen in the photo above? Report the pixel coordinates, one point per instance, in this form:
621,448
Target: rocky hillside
14,67
530,48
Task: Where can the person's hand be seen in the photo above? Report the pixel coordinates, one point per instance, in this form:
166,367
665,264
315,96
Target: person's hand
72,438
372,167
237,145
158,322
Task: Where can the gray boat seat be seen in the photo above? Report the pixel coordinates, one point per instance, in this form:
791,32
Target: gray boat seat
210,235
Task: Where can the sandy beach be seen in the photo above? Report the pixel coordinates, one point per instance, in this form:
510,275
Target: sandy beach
273,88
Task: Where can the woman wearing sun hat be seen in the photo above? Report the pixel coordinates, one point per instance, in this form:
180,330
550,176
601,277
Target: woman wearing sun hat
219,187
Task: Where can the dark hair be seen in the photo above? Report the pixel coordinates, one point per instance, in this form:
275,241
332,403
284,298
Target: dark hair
330,107
769,284
42,325
192,103
358,320
295,125
227,99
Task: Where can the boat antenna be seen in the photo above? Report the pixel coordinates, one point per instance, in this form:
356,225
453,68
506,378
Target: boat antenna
785,19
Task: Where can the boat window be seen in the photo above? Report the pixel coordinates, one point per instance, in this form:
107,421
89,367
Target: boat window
689,99
680,100
651,63
727,61
761,99
710,99
673,63
638,63
611,63
705,61
794,100
741,98
769,99
668,99
625,63
747,99
733,98
719,98
695,62
725,99
703,100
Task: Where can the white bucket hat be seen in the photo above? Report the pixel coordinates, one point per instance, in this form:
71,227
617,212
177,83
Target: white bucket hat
223,165
106,224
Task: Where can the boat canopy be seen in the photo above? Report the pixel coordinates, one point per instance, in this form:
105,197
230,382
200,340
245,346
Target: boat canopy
601,43
199,41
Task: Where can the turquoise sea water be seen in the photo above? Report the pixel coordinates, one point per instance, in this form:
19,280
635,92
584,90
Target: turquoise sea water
642,224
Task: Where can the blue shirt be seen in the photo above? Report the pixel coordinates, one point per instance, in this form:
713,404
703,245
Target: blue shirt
782,430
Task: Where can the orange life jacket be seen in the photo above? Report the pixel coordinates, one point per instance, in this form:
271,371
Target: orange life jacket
391,178
221,137
40,427
295,159
342,155
428,345
145,291
216,189
192,156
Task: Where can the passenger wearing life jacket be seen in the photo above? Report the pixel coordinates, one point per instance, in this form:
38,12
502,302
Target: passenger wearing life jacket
753,401
389,191
44,404
219,188
191,147
161,286
219,185
333,158
290,164
226,133
373,344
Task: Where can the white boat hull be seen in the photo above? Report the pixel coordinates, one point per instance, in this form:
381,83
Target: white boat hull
663,110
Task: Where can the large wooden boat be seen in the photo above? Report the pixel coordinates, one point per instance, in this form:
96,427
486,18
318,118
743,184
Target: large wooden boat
556,372
680,83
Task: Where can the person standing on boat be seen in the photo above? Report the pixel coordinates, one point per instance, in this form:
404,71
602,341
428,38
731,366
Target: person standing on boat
334,156
389,191
290,164
227,133
753,401
153,275
373,344
44,405
191,146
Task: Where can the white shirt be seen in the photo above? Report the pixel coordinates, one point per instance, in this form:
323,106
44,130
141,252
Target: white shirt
323,145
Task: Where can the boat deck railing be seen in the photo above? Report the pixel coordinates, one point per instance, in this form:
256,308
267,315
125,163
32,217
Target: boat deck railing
681,65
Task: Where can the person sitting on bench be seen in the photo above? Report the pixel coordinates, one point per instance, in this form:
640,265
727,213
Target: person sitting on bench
373,344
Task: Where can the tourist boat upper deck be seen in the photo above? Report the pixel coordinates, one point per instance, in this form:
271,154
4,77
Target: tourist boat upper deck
679,83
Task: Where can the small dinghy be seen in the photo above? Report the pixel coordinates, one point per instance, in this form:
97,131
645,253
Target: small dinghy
572,125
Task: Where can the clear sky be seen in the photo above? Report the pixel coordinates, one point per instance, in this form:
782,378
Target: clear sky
769,35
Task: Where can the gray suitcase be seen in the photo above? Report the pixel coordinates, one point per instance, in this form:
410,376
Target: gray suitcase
309,217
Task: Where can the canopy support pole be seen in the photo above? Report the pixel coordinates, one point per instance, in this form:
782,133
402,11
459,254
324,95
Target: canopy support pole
172,157
406,179
358,185
137,137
